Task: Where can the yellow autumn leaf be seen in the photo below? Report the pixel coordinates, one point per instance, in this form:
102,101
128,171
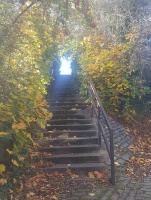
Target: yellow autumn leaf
19,126
30,194
3,134
3,181
9,151
2,168
91,175
21,158
28,135
15,163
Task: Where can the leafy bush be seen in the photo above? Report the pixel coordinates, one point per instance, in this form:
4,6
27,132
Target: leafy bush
115,79
23,77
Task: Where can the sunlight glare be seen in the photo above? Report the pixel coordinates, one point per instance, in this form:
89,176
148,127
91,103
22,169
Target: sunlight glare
65,68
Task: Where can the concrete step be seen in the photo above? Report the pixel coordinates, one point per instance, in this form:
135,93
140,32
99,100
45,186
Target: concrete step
64,111
70,140
64,98
71,103
65,91
64,167
69,115
69,121
70,127
68,107
70,158
71,133
71,148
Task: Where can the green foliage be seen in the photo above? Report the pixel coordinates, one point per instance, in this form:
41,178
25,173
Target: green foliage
24,77
115,79
30,36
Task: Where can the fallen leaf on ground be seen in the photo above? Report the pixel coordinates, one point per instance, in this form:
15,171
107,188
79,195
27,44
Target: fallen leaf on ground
30,194
92,194
91,175
100,175
54,198
3,181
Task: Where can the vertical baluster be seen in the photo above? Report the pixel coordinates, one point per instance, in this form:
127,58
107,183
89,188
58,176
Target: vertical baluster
98,119
92,109
112,156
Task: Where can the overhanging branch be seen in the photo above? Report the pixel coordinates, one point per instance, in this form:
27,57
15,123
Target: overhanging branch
5,31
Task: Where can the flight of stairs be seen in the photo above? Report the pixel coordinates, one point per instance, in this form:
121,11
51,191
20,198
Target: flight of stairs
71,138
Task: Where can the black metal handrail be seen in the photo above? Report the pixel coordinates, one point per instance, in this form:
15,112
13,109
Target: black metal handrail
103,124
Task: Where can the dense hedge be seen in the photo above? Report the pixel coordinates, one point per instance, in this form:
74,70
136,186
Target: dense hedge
24,76
117,81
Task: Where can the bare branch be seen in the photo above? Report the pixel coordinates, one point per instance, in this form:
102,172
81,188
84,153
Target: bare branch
24,11
4,33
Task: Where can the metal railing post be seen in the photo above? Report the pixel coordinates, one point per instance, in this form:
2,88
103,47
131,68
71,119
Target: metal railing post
112,158
98,110
99,114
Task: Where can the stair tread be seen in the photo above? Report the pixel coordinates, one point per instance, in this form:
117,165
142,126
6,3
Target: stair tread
73,166
64,110
54,121
71,131
64,140
73,138
72,146
68,102
74,155
79,120
68,116
71,105
66,125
